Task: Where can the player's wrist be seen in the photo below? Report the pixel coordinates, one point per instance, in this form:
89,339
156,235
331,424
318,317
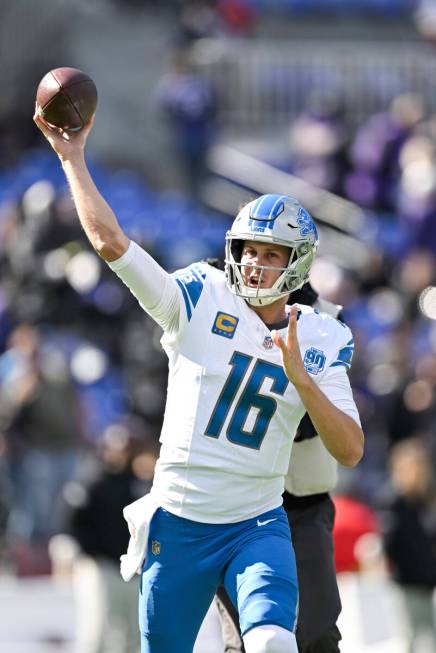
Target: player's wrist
72,159
304,384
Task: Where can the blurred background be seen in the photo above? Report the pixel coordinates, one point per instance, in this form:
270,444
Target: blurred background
204,104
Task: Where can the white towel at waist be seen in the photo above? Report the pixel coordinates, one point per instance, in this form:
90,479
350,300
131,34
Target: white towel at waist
138,516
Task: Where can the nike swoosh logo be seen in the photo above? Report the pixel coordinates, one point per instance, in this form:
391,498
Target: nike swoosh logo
267,521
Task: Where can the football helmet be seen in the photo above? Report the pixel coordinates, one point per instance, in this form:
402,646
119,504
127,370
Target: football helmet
277,219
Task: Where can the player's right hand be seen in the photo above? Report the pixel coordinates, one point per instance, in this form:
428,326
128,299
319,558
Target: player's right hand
66,144
290,351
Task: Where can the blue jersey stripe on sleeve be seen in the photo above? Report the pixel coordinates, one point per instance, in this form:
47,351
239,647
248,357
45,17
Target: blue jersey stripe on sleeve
194,287
199,272
191,283
186,298
345,356
338,363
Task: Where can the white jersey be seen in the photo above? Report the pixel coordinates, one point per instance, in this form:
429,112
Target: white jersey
312,469
231,413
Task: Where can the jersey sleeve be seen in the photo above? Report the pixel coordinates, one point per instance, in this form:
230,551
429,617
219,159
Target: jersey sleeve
191,283
345,353
335,383
156,290
336,386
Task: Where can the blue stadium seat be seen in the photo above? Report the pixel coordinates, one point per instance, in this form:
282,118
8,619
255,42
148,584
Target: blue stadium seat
307,7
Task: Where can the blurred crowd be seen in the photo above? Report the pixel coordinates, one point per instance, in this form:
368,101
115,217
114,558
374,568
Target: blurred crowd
82,374
387,166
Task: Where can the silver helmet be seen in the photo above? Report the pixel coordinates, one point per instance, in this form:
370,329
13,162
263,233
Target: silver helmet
277,219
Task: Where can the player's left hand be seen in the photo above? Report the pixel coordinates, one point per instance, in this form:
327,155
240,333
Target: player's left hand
290,351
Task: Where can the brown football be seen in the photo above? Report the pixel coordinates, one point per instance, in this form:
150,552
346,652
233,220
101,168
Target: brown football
67,98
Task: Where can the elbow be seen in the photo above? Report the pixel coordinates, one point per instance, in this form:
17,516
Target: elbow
351,460
353,456
111,249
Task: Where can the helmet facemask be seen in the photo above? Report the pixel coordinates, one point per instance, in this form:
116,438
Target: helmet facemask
273,219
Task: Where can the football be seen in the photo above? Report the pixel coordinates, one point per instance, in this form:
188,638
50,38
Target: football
67,98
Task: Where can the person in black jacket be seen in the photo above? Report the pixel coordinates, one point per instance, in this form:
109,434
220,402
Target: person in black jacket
106,606
409,532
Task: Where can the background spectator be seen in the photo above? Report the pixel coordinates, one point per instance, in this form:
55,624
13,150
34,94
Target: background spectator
122,473
354,83
187,100
40,415
409,530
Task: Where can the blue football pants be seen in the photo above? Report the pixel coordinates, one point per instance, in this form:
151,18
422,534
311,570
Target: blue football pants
187,561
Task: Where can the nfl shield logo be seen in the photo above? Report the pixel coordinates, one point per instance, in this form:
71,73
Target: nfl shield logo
155,547
268,342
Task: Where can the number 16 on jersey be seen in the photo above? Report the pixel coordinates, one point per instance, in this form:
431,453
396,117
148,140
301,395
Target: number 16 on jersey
250,398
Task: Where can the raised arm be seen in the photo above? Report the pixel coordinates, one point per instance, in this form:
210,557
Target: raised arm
154,288
340,433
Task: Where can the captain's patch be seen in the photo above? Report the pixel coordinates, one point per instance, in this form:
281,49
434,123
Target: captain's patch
225,325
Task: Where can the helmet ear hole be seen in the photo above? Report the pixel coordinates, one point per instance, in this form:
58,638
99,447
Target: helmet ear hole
302,249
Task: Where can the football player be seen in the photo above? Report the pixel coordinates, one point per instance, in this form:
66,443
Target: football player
243,370
311,477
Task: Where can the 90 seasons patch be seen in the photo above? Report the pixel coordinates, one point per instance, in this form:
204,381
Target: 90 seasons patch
314,360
